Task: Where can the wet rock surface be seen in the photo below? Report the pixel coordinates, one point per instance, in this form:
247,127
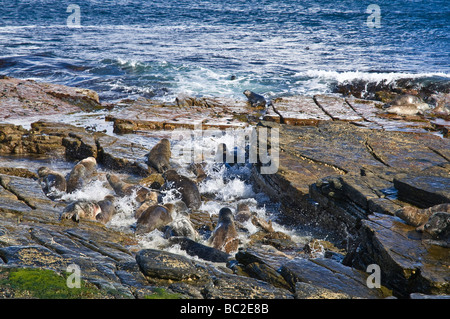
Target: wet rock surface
344,171
354,189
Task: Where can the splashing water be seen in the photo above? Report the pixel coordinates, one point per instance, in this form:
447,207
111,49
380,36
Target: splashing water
225,186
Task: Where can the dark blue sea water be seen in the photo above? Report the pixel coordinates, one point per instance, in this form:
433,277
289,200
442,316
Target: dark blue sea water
163,48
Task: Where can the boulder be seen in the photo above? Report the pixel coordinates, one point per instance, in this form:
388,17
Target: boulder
305,290
330,275
164,265
228,286
255,265
408,262
204,252
120,155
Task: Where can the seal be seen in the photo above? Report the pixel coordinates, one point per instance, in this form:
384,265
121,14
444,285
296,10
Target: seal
81,210
407,104
181,226
154,217
187,188
199,171
108,209
243,213
266,226
52,182
81,174
254,99
404,110
159,156
418,217
437,226
225,236
408,99
146,204
122,189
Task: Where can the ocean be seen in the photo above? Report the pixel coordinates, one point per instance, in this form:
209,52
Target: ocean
160,49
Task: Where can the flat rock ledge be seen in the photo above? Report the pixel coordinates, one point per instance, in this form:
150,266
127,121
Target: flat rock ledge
28,98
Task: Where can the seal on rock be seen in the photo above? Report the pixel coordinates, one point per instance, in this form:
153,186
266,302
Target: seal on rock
52,182
199,170
225,236
407,104
181,226
418,217
254,99
122,188
81,174
437,226
81,210
159,156
108,209
154,217
143,207
243,213
188,188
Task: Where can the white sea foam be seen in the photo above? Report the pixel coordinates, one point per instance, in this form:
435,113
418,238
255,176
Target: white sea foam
93,191
366,76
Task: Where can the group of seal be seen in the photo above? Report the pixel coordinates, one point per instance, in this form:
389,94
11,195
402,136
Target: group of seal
54,184
173,219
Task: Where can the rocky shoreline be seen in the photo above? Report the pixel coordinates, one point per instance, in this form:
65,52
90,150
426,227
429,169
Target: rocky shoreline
346,167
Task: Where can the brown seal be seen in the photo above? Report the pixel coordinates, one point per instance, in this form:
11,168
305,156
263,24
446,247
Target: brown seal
417,217
438,226
51,182
81,174
108,209
122,188
81,210
225,236
156,216
243,213
181,226
254,99
188,188
199,170
144,206
159,156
